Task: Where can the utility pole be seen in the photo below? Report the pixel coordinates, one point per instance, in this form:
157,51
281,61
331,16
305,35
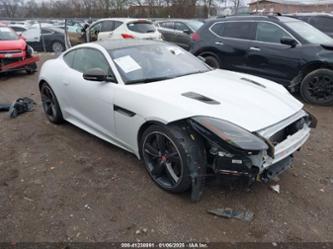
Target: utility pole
257,7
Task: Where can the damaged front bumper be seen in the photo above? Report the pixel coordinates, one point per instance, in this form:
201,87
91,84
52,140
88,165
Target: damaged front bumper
283,140
16,63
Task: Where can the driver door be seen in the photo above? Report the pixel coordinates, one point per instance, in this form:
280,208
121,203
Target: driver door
90,102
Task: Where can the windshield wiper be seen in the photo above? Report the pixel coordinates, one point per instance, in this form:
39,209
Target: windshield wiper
148,80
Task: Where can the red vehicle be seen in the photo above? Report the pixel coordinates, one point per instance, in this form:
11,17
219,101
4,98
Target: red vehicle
15,54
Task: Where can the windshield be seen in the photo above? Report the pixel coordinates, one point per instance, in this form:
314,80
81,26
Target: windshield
309,33
7,34
154,62
195,25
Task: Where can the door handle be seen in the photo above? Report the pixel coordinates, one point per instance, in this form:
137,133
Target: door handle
66,83
219,43
255,49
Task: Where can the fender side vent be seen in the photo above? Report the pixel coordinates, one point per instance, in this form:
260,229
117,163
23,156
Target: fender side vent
201,98
254,82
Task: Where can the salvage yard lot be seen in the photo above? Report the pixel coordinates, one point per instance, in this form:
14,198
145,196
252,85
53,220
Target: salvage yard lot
58,183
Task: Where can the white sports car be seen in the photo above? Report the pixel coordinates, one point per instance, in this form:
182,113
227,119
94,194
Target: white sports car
184,119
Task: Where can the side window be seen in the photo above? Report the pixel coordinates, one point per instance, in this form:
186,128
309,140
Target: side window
69,58
218,28
117,24
167,25
181,26
268,32
93,32
88,58
107,26
239,30
46,32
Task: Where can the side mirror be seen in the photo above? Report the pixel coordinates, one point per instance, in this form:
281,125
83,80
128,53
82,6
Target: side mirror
95,74
288,41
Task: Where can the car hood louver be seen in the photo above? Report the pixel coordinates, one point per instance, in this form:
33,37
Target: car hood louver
202,98
253,82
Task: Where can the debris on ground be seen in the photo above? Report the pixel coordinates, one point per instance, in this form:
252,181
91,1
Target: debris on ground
275,188
20,106
4,107
229,213
87,206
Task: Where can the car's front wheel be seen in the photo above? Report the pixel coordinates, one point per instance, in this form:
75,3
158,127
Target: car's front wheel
170,154
317,87
50,104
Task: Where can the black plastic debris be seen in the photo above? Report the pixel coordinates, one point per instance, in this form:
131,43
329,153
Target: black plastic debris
4,107
229,213
20,106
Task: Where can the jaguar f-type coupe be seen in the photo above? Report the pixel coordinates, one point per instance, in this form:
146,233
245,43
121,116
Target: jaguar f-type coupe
184,119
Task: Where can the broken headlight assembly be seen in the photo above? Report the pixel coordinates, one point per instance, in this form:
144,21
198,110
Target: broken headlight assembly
228,135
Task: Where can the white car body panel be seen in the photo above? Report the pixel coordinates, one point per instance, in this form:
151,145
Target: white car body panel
123,29
251,106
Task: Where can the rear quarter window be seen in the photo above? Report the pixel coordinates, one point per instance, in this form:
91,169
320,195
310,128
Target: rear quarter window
238,30
69,58
141,27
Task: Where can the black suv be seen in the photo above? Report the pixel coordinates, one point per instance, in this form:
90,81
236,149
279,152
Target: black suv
282,49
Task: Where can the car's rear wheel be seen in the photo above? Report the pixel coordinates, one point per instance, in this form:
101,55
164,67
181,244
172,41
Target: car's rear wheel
317,87
50,104
58,47
212,60
169,153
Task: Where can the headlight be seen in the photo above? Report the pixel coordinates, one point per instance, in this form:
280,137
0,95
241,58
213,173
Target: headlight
231,134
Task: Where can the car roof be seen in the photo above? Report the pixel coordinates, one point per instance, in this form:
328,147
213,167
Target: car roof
273,18
118,44
122,19
178,20
311,14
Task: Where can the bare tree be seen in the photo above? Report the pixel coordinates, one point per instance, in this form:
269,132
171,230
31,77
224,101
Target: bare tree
236,5
10,7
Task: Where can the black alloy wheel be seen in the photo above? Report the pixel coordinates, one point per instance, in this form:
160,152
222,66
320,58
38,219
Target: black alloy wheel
50,104
317,87
163,160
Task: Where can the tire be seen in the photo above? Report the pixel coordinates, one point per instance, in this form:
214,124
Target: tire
31,68
51,105
317,87
182,152
57,47
212,61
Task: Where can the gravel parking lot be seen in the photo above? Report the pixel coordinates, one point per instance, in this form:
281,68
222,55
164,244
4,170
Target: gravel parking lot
58,183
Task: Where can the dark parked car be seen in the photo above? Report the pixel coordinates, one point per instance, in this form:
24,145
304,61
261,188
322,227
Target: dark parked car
321,21
282,49
178,31
46,39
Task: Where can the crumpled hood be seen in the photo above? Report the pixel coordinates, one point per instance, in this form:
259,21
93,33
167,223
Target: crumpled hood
252,102
19,44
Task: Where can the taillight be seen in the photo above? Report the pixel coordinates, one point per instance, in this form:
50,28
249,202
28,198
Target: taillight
127,36
195,37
